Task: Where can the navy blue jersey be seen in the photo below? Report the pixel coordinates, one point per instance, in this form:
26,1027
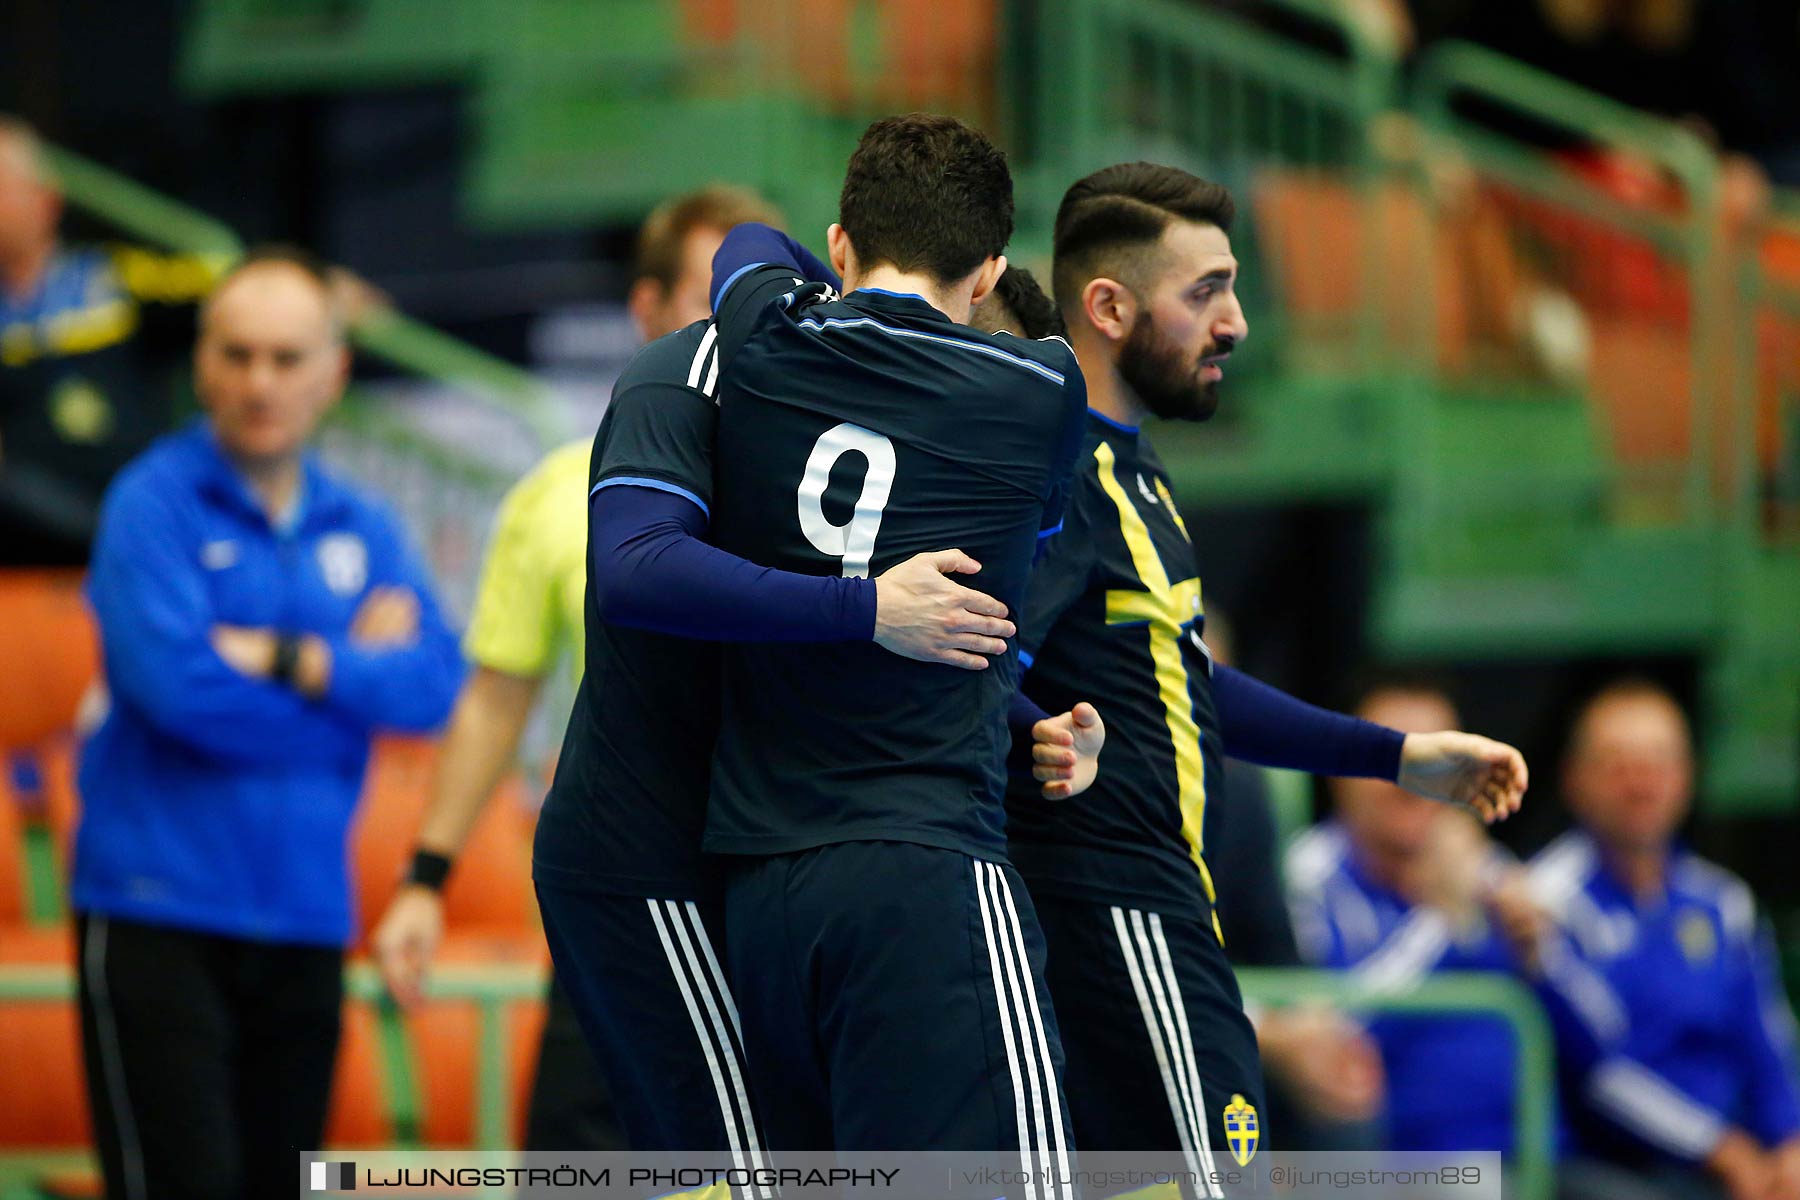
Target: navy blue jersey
853,434
624,813
1114,618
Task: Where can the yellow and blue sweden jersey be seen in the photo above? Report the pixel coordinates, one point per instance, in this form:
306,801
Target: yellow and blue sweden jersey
1113,616
528,607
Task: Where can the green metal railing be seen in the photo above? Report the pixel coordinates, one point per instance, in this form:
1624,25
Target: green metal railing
1687,233
383,332
494,989
1473,993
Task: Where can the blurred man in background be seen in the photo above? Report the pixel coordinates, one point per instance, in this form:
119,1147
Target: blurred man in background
1709,1099
1394,888
81,391
261,620
527,618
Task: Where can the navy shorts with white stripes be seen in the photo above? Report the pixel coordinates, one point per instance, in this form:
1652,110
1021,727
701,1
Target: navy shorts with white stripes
646,981
1158,1044
893,999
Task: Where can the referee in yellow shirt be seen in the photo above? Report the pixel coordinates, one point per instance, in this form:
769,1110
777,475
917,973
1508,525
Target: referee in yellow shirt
528,615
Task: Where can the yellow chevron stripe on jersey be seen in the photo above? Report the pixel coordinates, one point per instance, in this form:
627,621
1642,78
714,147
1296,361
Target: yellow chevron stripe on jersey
1166,609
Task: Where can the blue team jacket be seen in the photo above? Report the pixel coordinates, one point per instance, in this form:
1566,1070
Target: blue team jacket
1709,1037
212,801
1450,1079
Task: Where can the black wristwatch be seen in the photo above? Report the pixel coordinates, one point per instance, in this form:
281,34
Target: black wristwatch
428,870
287,659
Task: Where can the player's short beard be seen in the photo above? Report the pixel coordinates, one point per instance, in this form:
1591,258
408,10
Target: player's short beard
1163,376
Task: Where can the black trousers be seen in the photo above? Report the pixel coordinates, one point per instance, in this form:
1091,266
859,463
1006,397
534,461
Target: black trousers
571,1104
209,1058
649,992
893,999
1160,1054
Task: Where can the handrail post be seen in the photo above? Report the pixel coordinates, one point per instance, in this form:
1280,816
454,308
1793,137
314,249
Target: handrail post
1484,992
1455,68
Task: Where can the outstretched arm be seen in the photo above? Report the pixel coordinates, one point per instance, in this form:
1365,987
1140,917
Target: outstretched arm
1265,725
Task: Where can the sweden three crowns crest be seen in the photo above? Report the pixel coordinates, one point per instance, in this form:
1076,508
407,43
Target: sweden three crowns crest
1241,1130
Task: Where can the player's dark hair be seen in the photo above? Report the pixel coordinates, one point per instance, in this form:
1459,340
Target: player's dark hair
665,231
1107,220
927,193
1018,304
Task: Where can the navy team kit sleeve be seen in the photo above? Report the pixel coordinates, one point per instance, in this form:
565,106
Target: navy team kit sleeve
754,245
149,593
1266,726
652,568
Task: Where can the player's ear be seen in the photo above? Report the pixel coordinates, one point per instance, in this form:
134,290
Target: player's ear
647,295
1109,307
837,249
986,277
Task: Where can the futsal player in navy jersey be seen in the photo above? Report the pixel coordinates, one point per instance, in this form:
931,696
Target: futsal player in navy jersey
887,959
617,864
1160,1054
888,955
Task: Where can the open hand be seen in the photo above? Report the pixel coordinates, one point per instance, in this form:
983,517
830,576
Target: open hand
920,614
1465,769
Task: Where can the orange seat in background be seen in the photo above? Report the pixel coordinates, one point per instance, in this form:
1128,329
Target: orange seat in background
928,54
12,851
51,649
490,888
444,1037
42,1102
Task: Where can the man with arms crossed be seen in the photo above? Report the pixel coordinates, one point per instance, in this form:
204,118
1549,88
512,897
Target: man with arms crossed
262,619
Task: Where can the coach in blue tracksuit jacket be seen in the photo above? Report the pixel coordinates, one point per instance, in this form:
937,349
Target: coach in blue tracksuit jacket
260,620
1705,1095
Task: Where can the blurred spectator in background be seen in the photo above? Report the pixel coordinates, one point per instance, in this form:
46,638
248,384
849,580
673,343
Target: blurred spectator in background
1394,887
1707,1103
80,392
260,620
527,618
1731,71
